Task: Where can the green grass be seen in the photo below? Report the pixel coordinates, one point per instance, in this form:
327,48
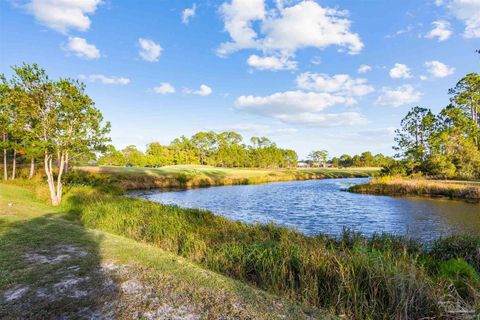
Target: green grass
382,277
29,226
190,176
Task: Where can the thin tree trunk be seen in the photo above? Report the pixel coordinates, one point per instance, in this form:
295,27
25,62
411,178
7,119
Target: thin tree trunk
63,156
14,164
5,167
67,163
50,181
32,168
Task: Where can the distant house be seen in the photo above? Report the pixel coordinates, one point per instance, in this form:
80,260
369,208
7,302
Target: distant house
304,164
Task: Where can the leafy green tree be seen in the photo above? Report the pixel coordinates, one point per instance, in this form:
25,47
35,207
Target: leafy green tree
133,156
319,157
466,96
414,136
346,160
112,157
63,120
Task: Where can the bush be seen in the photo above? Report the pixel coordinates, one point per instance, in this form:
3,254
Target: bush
466,247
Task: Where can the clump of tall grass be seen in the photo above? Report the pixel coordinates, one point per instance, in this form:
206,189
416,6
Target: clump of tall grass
420,187
382,277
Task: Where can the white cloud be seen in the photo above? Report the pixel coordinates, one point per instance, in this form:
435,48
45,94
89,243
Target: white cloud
290,102
396,97
364,68
238,16
188,13
400,71
253,129
468,11
284,30
203,91
301,108
81,48
149,50
442,30
341,84
439,69
105,79
164,88
271,63
316,60
63,15
324,120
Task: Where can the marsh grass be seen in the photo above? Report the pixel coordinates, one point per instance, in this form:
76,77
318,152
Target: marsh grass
193,176
468,190
382,277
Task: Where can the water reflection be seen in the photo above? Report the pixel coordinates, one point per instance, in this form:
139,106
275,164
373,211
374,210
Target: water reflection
321,206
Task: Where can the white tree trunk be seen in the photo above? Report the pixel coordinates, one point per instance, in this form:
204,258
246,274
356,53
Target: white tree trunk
14,164
50,180
32,168
5,167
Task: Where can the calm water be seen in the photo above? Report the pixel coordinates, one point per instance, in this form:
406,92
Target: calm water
321,206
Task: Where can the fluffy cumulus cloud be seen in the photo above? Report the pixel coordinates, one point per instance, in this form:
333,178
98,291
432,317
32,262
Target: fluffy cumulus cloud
439,69
282,30
364,68
290,102
203,91
400,71
149,50
188,13
340,84
396,97
442,30
272,63
301,108
63,15
81,48
164,88
105,79
467,11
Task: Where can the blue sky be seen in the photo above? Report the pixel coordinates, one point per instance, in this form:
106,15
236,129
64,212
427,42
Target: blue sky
334,75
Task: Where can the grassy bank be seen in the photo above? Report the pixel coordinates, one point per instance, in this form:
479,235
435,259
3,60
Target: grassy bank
53,268
397,186
203,176
383,277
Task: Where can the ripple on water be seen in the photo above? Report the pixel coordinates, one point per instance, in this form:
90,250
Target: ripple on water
320,206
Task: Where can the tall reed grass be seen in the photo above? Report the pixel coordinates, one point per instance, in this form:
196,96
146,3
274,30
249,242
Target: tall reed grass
420,187
382,277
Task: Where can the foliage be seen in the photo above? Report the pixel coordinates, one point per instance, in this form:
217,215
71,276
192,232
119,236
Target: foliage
223,149
49,119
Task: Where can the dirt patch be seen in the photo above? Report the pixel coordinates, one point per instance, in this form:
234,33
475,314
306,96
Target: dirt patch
15,293
55,255
169,312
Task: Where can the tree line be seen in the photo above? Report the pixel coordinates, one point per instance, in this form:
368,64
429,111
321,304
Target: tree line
443,145
225,149
52,121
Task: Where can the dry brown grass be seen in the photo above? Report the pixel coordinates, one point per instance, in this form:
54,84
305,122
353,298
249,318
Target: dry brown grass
468,190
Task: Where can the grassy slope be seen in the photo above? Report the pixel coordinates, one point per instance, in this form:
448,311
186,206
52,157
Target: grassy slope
51,267
468,190
201,176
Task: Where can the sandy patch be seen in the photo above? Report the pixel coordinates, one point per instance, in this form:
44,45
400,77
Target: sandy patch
15,293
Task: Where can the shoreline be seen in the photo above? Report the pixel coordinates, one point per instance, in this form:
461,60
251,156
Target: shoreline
191,177
434,189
